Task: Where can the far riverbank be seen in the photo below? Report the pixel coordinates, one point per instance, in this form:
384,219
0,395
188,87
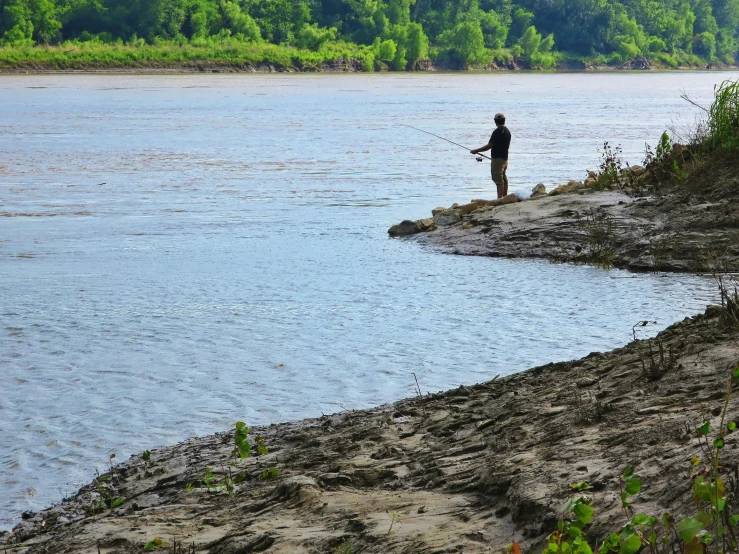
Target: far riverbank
270,58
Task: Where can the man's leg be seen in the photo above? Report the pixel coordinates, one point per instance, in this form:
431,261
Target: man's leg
505,178
496,166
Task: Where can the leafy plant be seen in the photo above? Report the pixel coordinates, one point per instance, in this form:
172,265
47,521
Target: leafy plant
243,448
611,165
269,473
154,544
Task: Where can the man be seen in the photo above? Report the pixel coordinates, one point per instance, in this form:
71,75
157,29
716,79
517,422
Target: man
499,142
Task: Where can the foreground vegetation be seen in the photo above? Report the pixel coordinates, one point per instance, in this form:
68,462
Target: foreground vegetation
379,34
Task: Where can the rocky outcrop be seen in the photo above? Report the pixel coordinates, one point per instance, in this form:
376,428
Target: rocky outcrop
445,217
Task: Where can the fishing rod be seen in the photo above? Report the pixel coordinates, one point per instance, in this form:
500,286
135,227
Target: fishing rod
479,159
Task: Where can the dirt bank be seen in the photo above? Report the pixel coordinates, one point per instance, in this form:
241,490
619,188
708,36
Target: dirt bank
463,471
338,65
686,224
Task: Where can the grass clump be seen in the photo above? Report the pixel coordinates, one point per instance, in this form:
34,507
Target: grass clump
723,116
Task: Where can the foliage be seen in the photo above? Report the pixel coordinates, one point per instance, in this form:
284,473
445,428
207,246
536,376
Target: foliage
723,116
611,165
269,473
470,33
154,544
711,530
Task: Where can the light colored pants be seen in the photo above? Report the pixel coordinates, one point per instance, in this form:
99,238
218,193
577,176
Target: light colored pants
498,169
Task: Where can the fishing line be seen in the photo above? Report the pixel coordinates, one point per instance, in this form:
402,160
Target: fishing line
479,159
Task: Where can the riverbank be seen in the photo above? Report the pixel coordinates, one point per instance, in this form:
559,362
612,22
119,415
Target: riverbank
237,57
686,221
467,470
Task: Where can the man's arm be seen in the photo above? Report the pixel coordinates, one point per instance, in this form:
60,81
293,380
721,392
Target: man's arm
485,148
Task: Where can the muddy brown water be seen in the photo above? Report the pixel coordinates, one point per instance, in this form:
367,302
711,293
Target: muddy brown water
179,252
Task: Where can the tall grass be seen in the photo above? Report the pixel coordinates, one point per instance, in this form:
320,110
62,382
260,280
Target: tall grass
723,116
78,55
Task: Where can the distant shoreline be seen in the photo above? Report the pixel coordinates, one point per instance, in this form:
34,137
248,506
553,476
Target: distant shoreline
339,65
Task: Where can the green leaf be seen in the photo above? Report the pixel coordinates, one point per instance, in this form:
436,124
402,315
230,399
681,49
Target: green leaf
688,528
117,502
731,426
631,545
704,429
734,520
628,472
583,513
584,548
633,486
643,519
240,425
153,544
718,443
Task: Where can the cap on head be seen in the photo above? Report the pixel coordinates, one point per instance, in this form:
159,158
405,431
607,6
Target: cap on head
499,118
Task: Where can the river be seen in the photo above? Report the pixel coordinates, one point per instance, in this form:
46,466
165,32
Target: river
179,252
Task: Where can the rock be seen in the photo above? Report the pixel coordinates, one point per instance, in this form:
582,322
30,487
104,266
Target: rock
404,228
539,189
437,210
426,225
468,225
510,199
571,186
589,182
713,310
637,170
467,208
592,175
447,217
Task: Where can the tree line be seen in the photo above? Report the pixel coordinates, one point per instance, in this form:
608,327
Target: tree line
399,33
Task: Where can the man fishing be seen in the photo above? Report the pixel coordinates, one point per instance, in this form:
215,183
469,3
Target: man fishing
499,142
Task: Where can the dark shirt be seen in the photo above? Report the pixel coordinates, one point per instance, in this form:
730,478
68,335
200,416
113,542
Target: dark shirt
501,140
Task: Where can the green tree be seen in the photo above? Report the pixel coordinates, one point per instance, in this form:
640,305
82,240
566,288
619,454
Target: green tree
417,46
466,43
16,23
494,29
387,51
530,42
313,37
705,45
240,23
520,22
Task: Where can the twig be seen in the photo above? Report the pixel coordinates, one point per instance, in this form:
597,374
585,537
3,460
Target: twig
685,97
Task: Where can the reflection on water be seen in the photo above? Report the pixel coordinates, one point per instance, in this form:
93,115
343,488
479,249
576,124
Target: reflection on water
179,252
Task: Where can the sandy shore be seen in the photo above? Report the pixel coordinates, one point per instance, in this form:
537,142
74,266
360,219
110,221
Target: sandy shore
468,470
